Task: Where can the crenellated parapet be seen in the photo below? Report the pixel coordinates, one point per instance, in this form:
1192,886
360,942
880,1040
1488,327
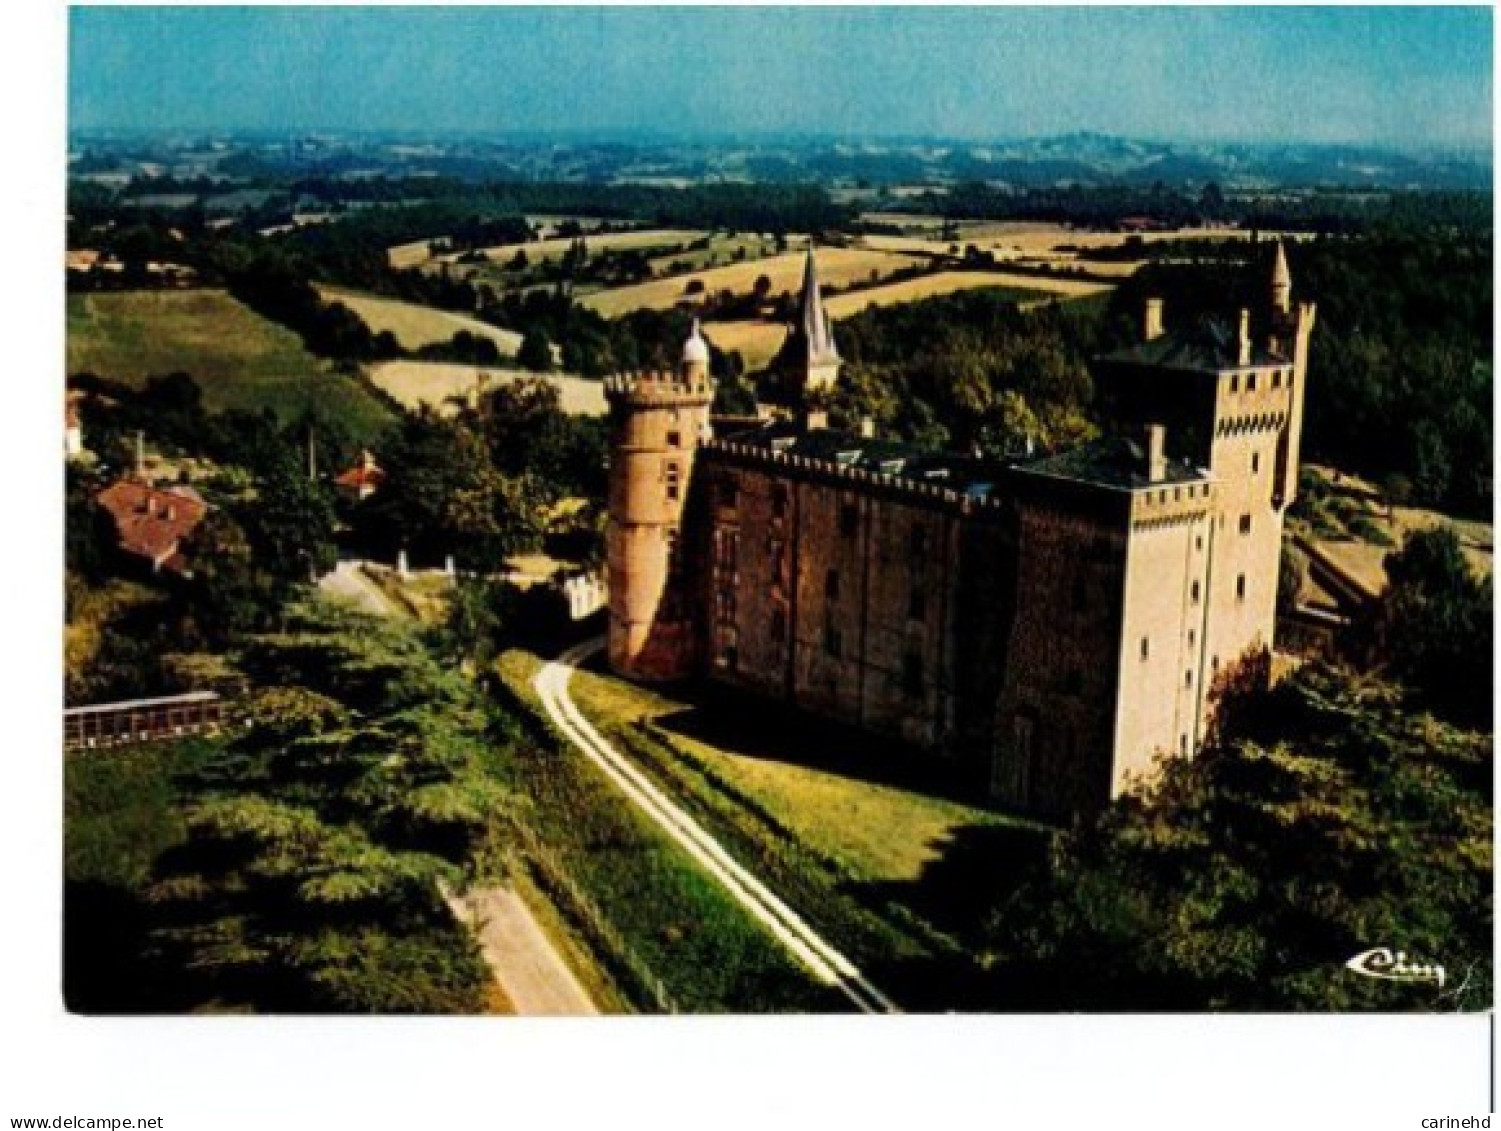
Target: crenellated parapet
866,480
658,389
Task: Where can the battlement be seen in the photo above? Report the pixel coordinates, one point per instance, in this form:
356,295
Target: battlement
657,389
862,479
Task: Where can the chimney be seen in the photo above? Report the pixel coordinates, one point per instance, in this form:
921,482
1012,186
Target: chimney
1245,337
867,428
1151,323
1156,453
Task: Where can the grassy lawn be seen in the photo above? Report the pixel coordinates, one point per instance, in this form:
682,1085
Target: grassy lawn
873,831
240,359
654,901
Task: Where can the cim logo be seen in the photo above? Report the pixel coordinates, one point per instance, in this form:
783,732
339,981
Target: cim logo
1393,967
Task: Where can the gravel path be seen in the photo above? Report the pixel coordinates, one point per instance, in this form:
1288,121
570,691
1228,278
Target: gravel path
522,958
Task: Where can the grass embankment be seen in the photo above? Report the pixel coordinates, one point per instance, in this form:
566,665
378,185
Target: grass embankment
849,832
647,910
238,358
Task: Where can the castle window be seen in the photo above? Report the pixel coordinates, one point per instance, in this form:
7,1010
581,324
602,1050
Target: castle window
1193,592
831,585
1276,378
912,679
1188,678
917,604
1255,462
1250,382
674,439
1198,542
1245,524
833,643
1190,638
1183,743
1234,383
674,483
1146,648
849,520
779,501
1240,588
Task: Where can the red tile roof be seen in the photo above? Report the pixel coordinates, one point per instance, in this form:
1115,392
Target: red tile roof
150,522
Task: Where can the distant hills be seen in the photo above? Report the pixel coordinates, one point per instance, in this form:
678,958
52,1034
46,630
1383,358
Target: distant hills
1071,159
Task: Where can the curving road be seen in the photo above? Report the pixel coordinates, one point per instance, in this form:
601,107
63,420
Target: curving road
821,960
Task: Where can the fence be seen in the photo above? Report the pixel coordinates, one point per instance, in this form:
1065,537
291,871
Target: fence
143,720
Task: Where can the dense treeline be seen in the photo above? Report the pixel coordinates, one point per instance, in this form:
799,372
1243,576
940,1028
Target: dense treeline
1400,373
970,371
1160,205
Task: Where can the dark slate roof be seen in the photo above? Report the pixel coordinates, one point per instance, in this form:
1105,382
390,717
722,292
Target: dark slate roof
1114,462
1211,346
970,475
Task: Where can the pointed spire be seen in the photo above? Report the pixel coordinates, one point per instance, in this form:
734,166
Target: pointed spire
1282,282
812,319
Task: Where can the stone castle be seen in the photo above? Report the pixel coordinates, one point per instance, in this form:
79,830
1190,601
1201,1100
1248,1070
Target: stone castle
1057,622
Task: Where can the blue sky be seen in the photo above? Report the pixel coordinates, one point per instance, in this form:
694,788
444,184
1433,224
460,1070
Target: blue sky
1403,75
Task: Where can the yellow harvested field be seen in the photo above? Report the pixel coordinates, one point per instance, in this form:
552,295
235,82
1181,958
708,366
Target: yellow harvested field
538,251
757,342
837,266
416,326
438,383
947,282
406,255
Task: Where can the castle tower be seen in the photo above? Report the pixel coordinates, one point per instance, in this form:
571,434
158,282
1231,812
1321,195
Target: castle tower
657,421
809,356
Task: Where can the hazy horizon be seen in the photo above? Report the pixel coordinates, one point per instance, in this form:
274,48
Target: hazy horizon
1390,77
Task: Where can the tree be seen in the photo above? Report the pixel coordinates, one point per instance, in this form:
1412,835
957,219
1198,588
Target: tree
536,351
1433,629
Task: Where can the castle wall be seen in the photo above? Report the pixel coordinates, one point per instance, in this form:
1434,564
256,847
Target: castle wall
835,595
1251,427
1054,724
1163,678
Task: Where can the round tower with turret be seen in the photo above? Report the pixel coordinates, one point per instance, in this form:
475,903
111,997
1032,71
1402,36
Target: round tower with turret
657,421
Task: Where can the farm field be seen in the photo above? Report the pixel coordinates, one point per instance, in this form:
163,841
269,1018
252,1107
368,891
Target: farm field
1025,289
240,359
415,325
406,255
837,266
757,341
436,383
722,251
539,251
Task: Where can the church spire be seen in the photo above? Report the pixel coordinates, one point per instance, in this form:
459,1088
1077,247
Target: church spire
1282,283
809,355
813,319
